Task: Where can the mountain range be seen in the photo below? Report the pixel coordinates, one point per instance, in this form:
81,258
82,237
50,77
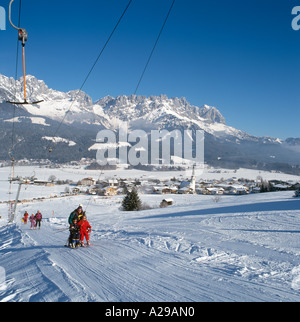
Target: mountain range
69,122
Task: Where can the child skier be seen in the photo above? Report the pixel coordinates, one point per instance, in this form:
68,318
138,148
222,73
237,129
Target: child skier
25,217
85,230
74,234
77,213
32,220
38,219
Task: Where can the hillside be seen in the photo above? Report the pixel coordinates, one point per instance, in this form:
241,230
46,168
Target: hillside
241,249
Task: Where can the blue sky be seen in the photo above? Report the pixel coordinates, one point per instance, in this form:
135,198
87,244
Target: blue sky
241,56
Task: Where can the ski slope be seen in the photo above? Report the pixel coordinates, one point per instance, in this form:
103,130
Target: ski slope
243,248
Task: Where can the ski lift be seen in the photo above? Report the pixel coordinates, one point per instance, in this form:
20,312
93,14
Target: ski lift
22,36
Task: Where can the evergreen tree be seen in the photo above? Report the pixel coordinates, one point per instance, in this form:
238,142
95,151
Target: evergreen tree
125,190
125,202
132,201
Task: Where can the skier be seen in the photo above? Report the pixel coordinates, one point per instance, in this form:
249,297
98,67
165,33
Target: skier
85,230
74,234
77,213
32,220
25,217
38,219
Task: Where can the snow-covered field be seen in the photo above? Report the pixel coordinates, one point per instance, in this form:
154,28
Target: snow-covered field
78,173
242,248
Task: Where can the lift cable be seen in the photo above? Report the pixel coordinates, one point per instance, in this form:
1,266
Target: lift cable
11,207
153,49
92,68
16,76
22,36
48,147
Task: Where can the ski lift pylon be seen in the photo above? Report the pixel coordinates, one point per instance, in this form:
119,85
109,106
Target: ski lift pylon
22,36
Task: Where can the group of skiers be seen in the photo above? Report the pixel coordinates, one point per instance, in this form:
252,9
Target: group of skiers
35,219
79,228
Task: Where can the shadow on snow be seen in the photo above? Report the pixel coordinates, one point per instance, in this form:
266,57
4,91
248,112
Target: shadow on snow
292,204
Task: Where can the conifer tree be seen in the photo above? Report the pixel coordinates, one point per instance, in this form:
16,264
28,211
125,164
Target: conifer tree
132,201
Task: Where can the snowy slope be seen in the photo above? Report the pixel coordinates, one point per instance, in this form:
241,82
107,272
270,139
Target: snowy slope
241,249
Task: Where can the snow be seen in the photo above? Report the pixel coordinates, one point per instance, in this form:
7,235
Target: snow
241,248
58,139
34,120
154,112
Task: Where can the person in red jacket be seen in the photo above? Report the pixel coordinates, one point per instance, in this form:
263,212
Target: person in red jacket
25,217
85,230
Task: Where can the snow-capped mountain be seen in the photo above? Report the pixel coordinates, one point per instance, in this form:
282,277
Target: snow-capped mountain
140,111
83,118
37,90
158,112
163,112
55,104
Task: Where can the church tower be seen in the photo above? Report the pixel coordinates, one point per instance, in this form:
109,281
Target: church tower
193,181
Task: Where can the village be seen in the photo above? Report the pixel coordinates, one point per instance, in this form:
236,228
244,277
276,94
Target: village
232,186
111,183
143,185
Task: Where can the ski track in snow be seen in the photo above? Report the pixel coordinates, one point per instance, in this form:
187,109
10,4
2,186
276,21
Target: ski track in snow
242,249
